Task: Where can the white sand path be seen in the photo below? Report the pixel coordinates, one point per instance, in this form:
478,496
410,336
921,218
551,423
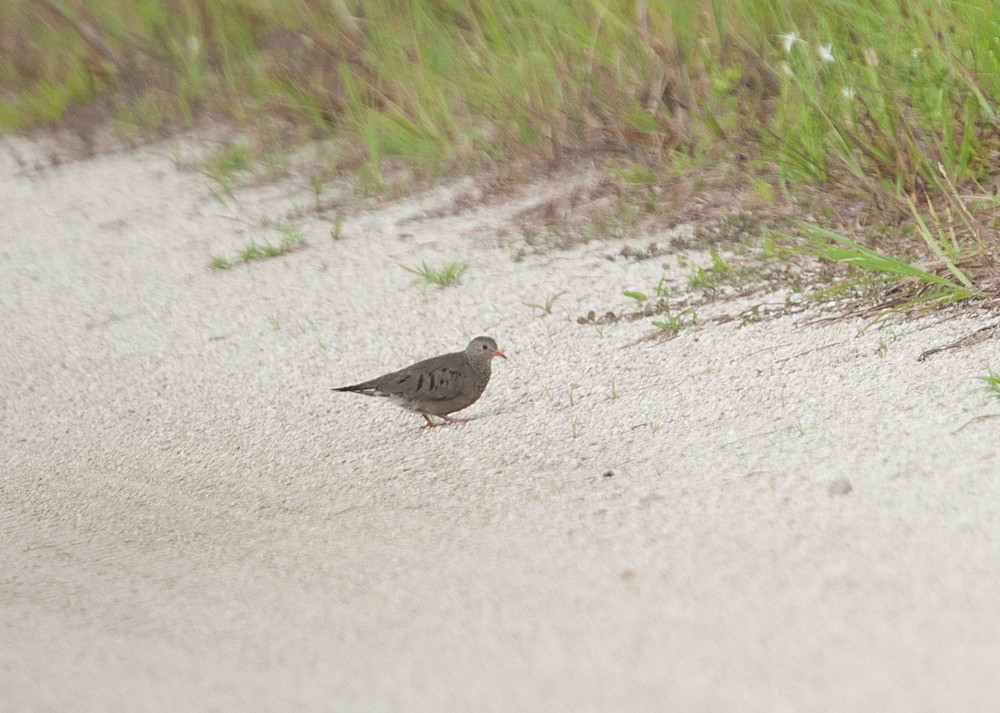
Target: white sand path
190,520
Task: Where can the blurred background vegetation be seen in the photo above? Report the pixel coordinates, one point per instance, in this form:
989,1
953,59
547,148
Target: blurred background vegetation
892,102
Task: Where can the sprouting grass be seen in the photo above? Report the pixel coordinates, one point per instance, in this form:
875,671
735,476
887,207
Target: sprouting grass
545,307
991,381
660,289
883,345
225,167
720,273
291,239
450,274
675,321
337,228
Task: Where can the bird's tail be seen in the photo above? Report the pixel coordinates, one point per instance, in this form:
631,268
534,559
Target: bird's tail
367,387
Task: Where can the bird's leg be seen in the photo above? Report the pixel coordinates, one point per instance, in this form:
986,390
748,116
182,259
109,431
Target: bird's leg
445,421
449,419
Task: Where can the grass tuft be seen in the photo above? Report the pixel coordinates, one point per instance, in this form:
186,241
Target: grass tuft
291,239
545,307
673,322
450,274
991,382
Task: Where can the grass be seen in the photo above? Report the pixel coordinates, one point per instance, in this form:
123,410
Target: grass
545,307
291,239
991,382
450,274
675,321
227,169
720,273
237,165
934,283
886,104
337,228
867,88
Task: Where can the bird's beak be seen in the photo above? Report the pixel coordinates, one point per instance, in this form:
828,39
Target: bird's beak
499,354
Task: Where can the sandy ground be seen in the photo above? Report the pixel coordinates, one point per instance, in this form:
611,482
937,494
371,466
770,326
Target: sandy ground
192,521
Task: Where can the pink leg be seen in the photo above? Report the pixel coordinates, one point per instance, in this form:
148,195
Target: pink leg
447,421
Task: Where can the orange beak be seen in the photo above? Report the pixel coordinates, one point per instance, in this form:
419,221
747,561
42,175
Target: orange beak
499,354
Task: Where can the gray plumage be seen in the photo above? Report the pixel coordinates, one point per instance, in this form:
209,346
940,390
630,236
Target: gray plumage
440,385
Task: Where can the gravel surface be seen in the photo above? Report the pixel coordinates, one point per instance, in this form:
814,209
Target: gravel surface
773,517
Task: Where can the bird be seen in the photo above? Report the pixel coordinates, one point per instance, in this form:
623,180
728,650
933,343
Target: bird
437,386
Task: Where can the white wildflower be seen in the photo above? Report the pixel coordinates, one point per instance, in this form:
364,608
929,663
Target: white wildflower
789,40
848,93
825,52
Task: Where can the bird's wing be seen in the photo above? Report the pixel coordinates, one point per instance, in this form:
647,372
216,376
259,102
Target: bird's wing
436,379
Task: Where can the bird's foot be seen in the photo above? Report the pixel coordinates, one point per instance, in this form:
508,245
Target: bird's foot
449,419
446,421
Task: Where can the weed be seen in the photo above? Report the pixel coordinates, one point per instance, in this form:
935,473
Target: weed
450,274
720,273
883,346
291,239
881,268
636,173
226,166
275,164
546,306
751,317
253,251
660,289
614,388
673,322
337,229
991,382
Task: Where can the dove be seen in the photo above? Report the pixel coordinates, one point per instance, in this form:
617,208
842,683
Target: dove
437,386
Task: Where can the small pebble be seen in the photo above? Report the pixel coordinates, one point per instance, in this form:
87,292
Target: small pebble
840,486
